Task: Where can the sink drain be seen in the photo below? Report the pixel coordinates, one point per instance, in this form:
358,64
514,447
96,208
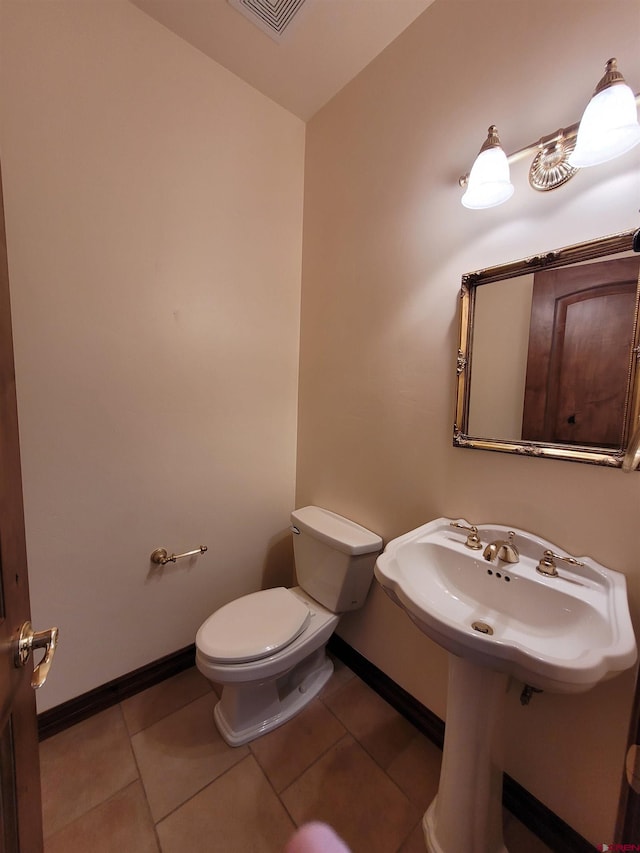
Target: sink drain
482,627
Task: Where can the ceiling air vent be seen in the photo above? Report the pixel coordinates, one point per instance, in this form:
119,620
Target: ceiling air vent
272,16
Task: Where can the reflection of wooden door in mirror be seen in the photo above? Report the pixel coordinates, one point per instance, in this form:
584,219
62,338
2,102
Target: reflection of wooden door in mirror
582,325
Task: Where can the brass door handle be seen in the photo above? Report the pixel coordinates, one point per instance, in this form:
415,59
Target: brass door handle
29,640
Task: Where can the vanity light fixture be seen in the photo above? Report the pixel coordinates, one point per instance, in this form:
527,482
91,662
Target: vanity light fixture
488,183
609,125
608,128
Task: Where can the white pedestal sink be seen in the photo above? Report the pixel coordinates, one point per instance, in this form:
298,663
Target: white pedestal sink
561,633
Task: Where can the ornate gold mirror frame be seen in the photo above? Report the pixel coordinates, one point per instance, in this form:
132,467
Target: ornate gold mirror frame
617,245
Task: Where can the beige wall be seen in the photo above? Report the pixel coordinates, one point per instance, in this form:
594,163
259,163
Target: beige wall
502,315
385,244
154,210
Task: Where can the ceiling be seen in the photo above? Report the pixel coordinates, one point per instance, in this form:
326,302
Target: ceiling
326,45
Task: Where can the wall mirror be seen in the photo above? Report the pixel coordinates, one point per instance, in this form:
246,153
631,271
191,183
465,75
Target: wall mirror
548,354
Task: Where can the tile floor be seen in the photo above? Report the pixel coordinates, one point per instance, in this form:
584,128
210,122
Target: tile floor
153,774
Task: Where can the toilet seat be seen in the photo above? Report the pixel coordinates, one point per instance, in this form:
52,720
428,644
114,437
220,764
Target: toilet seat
253,627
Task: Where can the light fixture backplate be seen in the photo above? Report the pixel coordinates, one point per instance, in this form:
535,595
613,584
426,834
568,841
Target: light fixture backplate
550,168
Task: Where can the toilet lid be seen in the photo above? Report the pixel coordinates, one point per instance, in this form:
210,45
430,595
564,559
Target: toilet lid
253,627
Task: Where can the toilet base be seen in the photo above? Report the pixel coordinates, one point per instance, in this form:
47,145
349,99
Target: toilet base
247,711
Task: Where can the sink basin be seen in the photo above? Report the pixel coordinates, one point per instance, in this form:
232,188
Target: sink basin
562,634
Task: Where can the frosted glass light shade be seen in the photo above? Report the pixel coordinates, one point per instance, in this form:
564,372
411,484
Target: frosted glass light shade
609,127
488,183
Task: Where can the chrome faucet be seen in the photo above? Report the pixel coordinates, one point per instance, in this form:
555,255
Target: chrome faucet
503,549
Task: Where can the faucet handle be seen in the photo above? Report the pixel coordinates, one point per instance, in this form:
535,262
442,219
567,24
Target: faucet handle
547,565
473,541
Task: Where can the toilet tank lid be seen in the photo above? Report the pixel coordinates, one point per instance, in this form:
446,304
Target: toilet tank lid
339,532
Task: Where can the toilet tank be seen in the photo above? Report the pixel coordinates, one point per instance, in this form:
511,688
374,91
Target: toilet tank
334,557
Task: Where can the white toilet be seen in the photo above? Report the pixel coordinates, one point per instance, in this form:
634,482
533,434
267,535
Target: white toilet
268,649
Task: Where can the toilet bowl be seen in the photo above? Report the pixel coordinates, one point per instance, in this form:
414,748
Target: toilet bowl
268,649
262,693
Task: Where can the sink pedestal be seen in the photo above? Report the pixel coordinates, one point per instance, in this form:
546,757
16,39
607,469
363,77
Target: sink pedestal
466,814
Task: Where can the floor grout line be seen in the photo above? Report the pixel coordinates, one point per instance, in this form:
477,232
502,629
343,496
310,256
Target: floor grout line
140,779
204,787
